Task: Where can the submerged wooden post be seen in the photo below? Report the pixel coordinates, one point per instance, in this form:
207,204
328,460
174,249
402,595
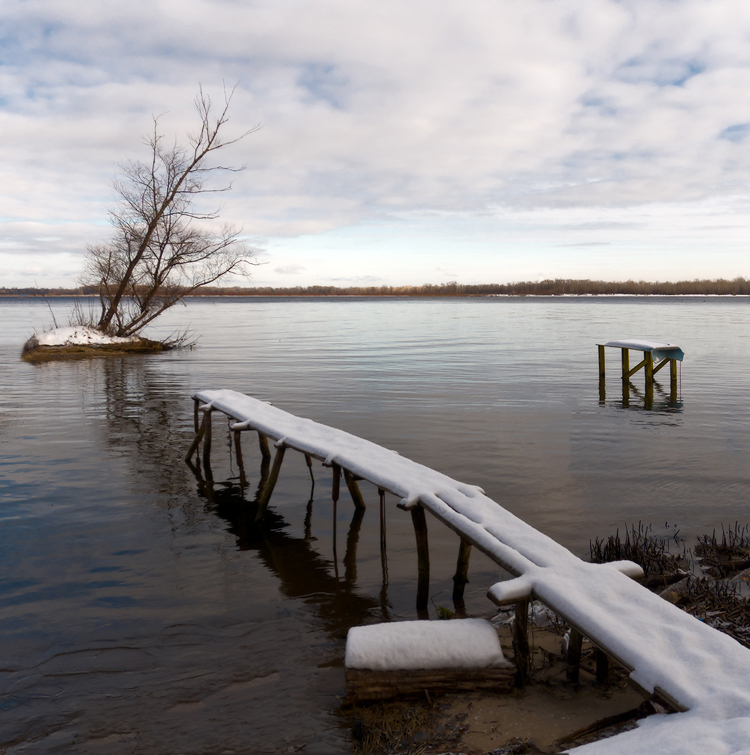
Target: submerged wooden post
423,557
238,456
196,422
354,491
263,442
601,362
673,379
460,578
625,364
521,641
265,494
575,644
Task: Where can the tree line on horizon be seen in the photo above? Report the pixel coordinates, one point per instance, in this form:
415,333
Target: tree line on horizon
551,287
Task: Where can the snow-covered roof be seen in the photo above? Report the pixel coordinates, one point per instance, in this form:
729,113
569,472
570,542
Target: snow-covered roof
659,349
668,650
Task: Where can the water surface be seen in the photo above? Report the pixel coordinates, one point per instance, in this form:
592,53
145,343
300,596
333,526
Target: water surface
139,615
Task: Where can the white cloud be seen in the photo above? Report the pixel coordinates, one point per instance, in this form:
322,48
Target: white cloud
440,121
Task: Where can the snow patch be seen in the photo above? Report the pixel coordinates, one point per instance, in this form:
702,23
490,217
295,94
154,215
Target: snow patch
80,336
412,645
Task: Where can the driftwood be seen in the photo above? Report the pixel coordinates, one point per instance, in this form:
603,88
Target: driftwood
363,685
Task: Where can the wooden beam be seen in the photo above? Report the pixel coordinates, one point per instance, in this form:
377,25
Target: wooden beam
601,362
363,685
354,491
634,370
662,364
626,364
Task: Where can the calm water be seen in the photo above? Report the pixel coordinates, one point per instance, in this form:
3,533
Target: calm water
138,616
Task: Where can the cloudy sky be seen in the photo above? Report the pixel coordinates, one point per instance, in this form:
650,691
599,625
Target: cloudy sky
402,141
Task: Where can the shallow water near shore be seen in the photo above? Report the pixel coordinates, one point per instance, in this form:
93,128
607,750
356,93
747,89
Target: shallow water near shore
140,615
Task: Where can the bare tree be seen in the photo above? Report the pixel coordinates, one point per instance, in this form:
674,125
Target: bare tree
163,249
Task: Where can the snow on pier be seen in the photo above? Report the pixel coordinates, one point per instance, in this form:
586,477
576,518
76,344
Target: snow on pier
699,669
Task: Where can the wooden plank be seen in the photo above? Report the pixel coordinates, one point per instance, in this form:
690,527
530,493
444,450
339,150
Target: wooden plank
364,685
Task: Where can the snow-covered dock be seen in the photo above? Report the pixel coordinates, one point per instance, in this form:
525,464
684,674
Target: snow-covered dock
663,353
700,670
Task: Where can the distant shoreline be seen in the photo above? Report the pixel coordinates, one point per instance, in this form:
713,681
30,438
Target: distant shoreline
558,287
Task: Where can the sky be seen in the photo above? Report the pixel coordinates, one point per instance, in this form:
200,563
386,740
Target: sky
401,142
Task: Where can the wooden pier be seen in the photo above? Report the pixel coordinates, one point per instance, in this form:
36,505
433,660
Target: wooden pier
669,653
656,356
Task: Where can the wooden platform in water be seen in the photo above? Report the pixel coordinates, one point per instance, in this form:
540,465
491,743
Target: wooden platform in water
697,668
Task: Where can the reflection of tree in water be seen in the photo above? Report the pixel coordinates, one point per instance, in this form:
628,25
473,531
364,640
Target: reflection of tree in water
303,573
147,422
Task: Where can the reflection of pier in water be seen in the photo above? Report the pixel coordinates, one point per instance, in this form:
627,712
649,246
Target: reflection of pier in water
303,572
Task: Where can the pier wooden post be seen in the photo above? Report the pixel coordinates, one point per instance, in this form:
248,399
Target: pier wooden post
602,667
238,456
383,551
423,557
460,578
352,539
625,364
521,641
207,445
308,461
354,491
335,487
266,492
575,644
601,363
648,358
198,437
673,380
196,422
263,442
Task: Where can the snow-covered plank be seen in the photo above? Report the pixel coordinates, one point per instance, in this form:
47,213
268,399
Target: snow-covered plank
659,349
668,650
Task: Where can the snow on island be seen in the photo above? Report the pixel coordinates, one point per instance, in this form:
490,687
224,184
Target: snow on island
76,335
412,645
80,341
668,650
